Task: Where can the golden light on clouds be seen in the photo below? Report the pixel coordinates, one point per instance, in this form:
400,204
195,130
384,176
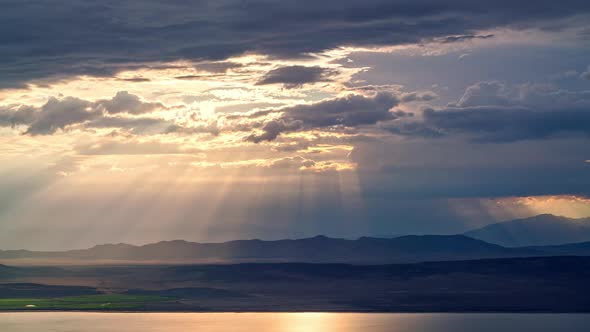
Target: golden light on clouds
192,132
227,136
563,205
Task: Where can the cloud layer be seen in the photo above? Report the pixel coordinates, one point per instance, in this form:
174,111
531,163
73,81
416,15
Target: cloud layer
492,112
47,40
350,111
144,120
296,76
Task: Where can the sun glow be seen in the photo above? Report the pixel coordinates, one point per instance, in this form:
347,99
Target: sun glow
306,322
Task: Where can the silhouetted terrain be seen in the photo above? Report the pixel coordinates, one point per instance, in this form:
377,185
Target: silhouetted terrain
535,234
545,229
319,249
569,249
548,284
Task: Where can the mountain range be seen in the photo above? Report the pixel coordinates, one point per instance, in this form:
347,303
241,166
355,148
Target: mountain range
534,236
411,248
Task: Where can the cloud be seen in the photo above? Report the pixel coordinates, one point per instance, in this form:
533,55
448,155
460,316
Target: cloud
272,129
461,38
296,76
124,102
484,93
349,111
111,37
492,112
59,114
418,96
127,111
135,79
292,162
497,124
13,116
218,67
586,75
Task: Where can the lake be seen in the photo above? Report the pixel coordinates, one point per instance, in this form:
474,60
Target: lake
289,322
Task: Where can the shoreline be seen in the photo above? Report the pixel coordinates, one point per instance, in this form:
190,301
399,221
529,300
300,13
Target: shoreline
303,312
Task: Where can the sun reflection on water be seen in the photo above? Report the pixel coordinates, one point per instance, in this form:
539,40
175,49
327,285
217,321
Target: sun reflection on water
306,322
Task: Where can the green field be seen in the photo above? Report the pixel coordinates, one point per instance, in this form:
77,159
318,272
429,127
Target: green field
91,302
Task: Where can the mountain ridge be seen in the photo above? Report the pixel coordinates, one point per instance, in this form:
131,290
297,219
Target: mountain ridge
366,250
474,244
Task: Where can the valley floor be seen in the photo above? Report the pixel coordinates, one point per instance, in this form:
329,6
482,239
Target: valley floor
541,284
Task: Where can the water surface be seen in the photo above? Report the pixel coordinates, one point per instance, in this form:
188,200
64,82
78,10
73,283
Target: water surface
290,322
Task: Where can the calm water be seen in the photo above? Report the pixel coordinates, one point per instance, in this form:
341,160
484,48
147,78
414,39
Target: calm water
290,322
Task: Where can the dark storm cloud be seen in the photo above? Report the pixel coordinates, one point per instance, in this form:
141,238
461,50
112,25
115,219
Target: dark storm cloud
57,39
460,38
296,76
492,112
349,111
497,124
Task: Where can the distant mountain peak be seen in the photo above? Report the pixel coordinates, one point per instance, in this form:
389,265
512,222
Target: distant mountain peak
113,245
319,237
539,230
178,241
549,216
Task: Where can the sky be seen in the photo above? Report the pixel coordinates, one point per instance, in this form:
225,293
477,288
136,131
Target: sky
140,121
